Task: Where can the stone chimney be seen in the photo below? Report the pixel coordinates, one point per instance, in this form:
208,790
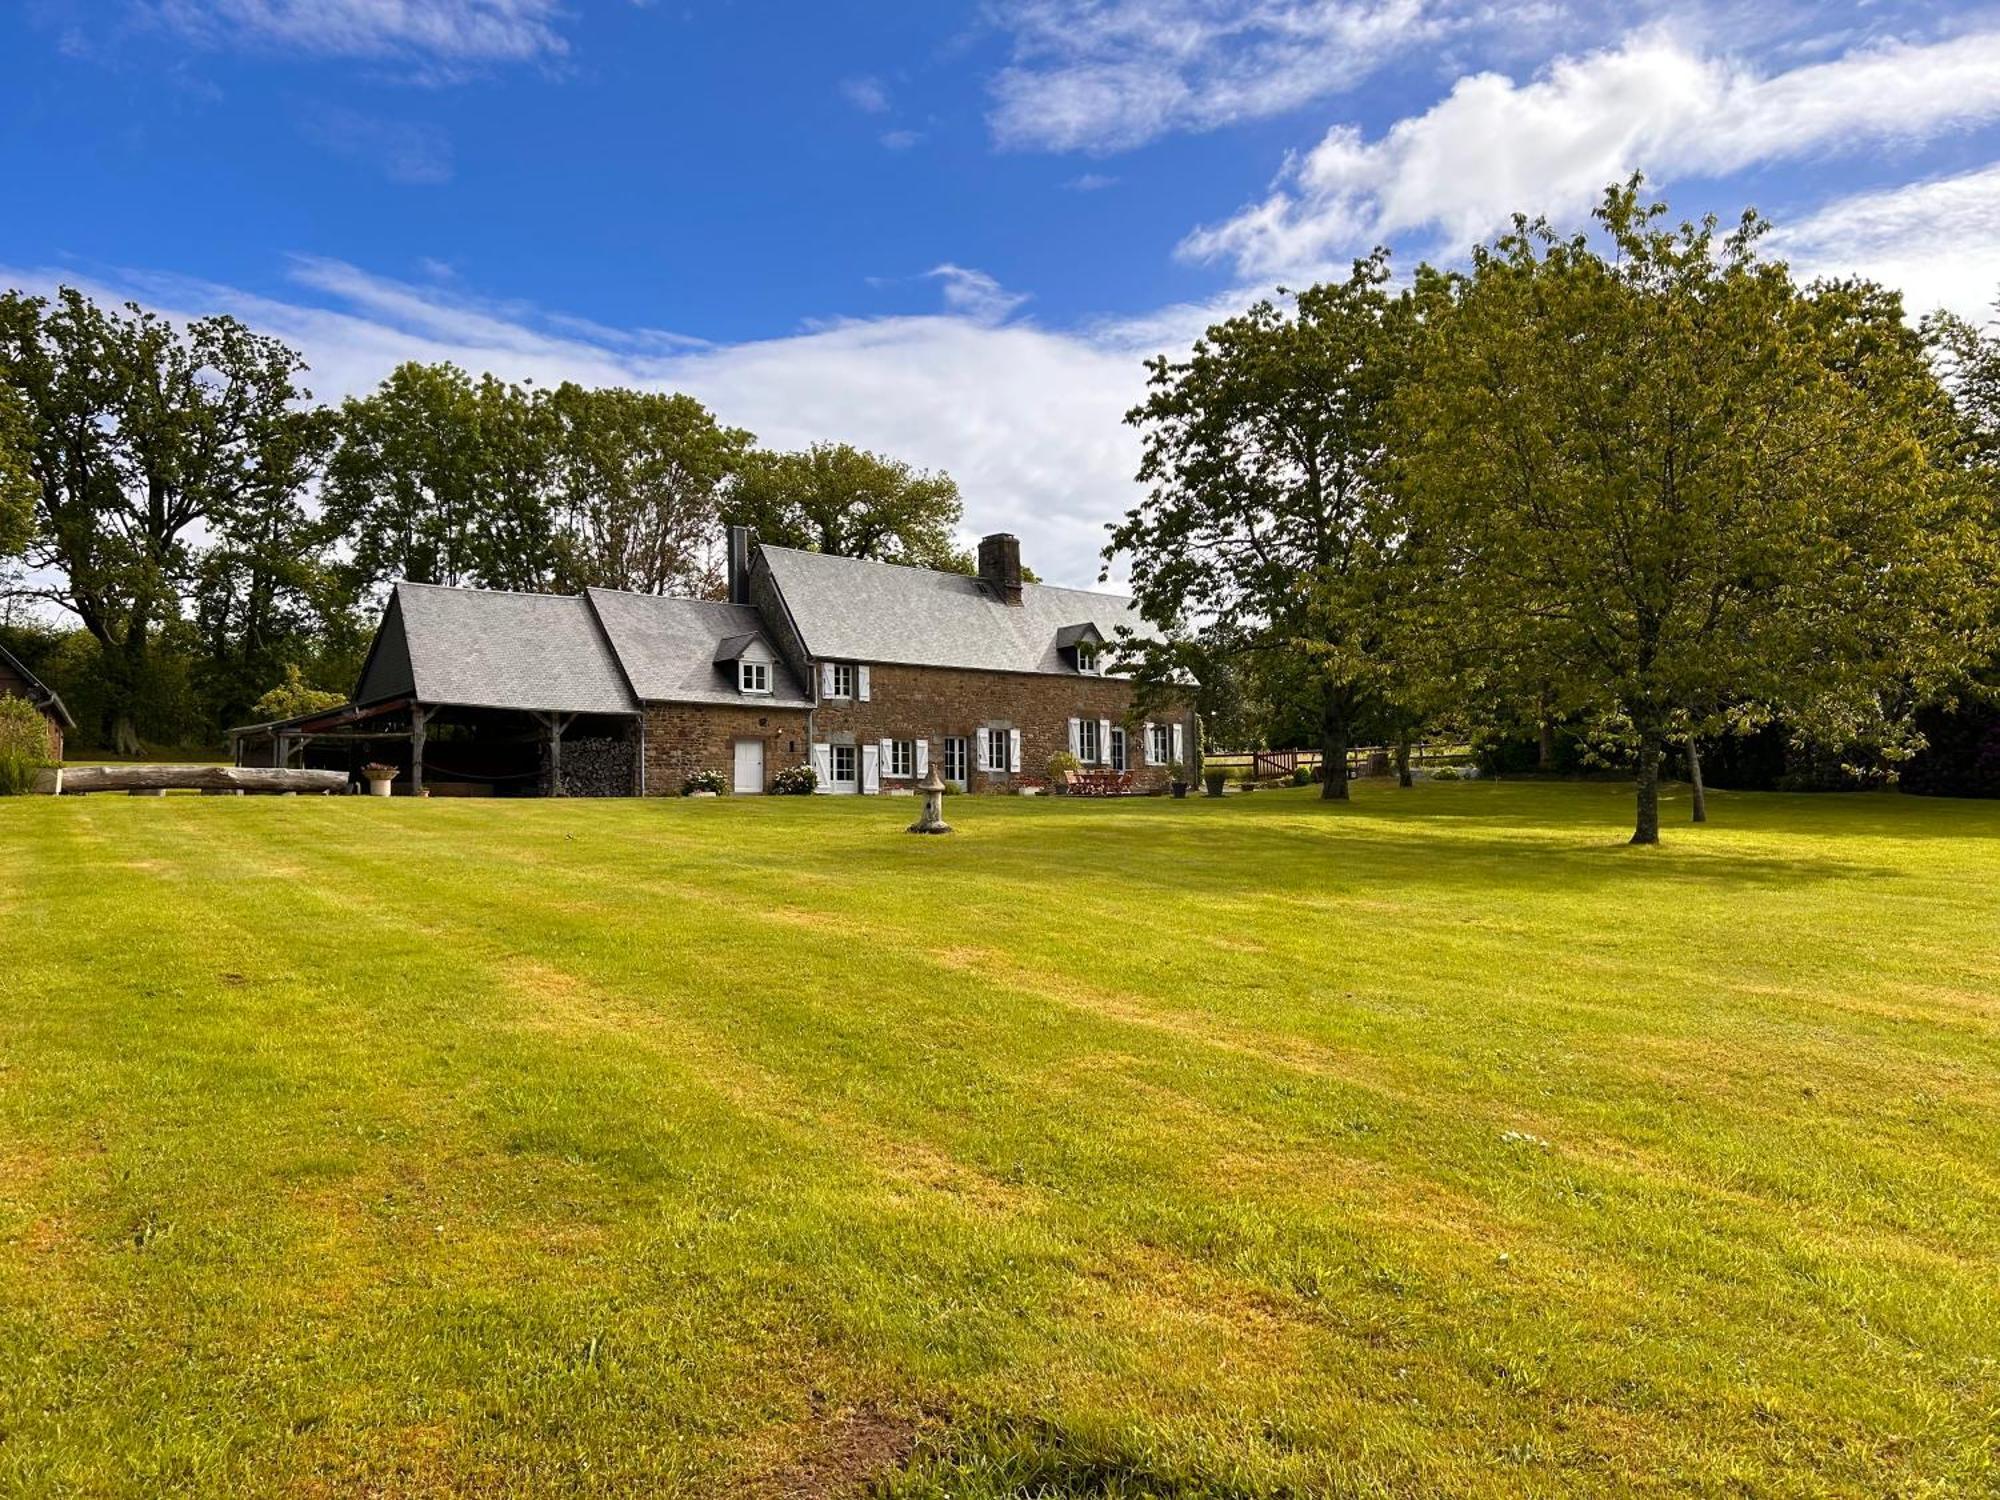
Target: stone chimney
739,565
1000,565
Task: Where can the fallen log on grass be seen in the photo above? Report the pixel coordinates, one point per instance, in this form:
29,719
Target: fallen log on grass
172,778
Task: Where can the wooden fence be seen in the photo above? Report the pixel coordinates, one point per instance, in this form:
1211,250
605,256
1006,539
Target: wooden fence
1362,760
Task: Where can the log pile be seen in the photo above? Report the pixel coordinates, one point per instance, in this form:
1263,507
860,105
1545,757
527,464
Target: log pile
597,768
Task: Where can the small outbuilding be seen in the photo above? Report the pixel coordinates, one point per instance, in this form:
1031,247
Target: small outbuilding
16,681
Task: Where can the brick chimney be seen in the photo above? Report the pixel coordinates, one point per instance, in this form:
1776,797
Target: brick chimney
1000,565
739,565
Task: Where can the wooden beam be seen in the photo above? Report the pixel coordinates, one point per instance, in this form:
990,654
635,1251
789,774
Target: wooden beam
417,717
158,777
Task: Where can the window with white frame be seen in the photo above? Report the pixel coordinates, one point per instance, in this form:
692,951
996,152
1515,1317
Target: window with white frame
753,676
996,748
1118,747
1086,657
843,765
1160,751
843,680
902,759
1087,749
954,760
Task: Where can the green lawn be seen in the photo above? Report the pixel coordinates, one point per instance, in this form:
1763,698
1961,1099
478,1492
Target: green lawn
1436,1145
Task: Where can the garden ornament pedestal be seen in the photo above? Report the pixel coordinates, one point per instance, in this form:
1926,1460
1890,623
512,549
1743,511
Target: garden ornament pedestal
932,821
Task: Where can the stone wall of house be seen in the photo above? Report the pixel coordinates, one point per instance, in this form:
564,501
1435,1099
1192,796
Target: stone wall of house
909,703
682,738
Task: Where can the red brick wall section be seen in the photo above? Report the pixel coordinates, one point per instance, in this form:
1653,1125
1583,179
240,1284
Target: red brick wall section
682,738
907,703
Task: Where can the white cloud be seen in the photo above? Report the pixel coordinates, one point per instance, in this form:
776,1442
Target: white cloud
443,31
1939,241
1090,182
1493,147
974,294
865,94
402,151
1104,75
1028,420
901,140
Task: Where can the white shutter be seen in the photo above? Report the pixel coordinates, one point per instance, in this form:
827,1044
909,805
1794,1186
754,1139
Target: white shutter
826,679
823,767
1076,738
979,740
923,756
1146,748
1014,750
1180,746
1104,742
861,684
871,768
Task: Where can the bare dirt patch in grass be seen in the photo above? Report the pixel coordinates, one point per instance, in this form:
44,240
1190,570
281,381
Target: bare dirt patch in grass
852,1450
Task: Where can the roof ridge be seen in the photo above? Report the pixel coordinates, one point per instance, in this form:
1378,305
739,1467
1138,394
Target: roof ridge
1056,588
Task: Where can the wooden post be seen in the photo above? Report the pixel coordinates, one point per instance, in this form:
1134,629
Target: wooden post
416,750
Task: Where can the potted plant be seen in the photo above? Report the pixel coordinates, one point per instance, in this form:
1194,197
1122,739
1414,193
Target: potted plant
1177,781
379,776
1061,765
703,784
1215,778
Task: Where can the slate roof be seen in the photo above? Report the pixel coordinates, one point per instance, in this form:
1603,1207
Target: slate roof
847,609
480,648
42,697
670,648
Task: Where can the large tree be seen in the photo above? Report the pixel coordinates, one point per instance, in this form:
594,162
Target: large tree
442,479
149,442
1267,526
17,471
639,477
1676,488
844,501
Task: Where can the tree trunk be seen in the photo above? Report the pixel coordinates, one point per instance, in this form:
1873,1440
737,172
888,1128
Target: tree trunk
1694,781
124,734
1403,777
1545,751
1333,751
1647,830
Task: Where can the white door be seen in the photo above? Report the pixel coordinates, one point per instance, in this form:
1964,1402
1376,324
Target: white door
749,766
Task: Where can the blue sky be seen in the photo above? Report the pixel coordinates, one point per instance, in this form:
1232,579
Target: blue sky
947,231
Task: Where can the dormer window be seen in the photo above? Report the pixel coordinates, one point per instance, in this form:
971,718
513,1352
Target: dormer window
1086,657
753,676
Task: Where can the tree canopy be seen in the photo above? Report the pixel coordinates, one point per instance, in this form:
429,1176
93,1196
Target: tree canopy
1267,529
847,502
1673,486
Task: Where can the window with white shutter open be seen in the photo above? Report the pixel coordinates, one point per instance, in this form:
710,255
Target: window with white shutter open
887,750
1180,746
923,757
1014,750
1076,738
985,763
1104,742
861,690
826,679
1146,748
822,763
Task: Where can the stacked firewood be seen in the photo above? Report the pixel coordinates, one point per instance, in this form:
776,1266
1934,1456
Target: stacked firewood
597,768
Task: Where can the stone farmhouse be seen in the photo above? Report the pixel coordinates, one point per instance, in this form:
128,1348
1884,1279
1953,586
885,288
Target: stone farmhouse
16,681
869,672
